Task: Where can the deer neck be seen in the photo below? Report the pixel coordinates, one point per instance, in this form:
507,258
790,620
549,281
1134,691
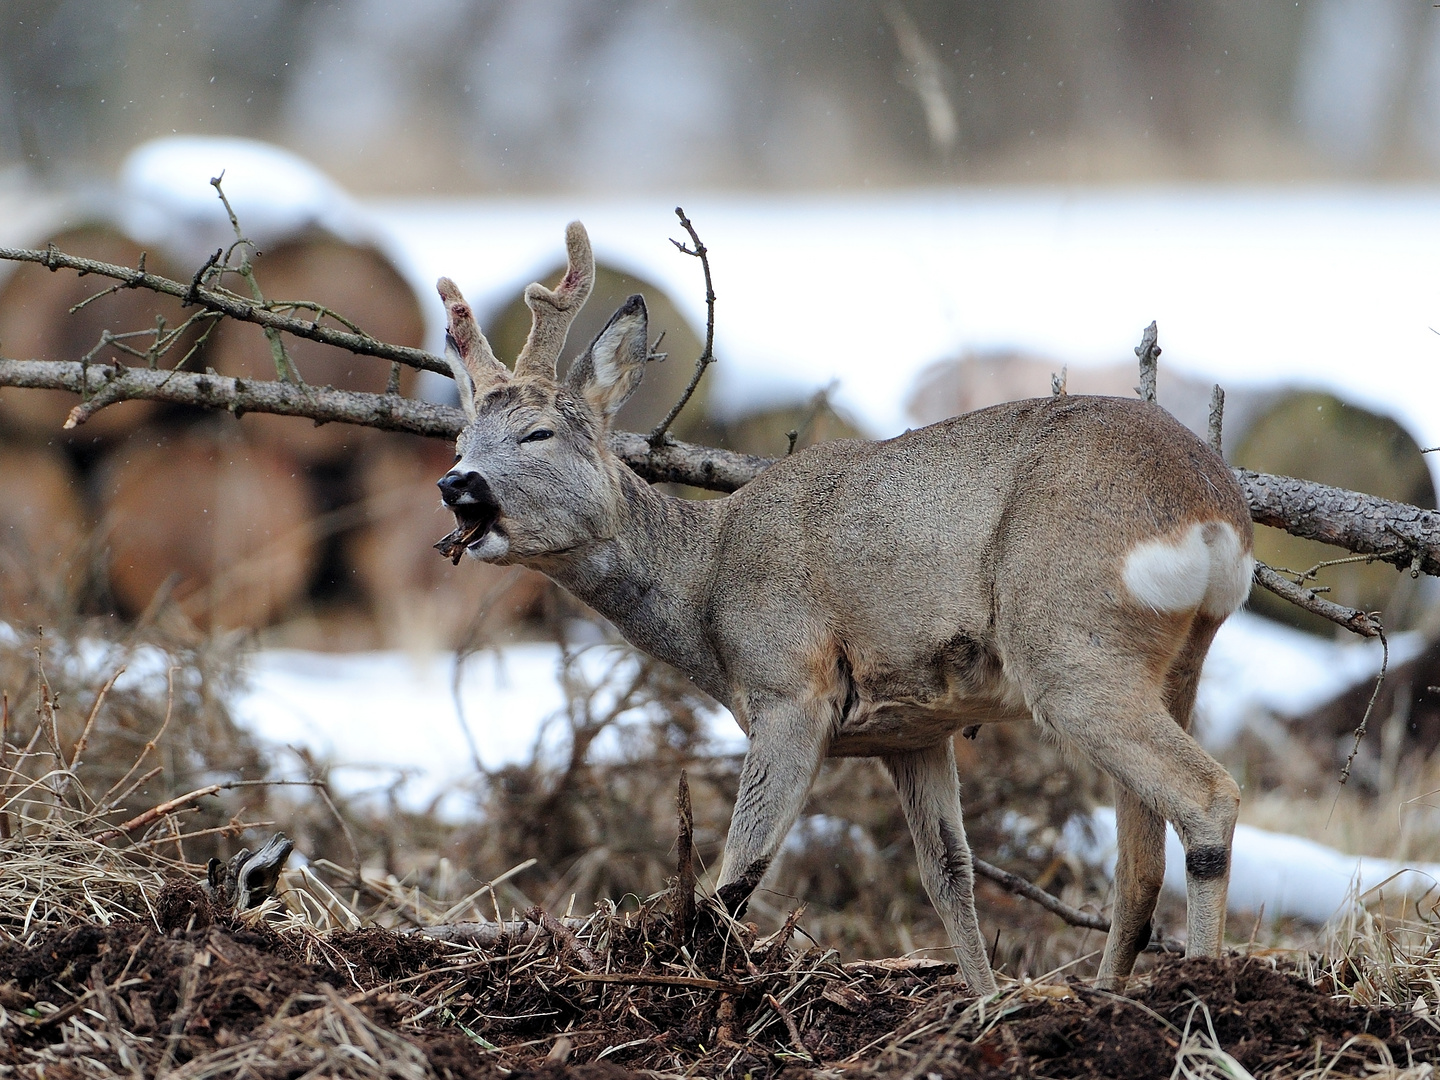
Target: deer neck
651,578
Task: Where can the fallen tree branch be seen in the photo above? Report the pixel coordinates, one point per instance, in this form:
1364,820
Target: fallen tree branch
115,383
1397,533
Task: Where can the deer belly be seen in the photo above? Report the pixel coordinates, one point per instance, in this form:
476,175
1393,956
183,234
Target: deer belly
876,724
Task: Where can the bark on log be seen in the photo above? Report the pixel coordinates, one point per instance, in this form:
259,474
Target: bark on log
1398,533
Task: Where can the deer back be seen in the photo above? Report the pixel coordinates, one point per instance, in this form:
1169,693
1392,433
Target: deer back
912,567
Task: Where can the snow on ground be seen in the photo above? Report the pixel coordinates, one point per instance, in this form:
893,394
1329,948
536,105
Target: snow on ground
1334,288
1281,874
390,720
1331,287
1258,668
394,720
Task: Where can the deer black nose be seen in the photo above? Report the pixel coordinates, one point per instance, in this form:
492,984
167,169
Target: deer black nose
464,487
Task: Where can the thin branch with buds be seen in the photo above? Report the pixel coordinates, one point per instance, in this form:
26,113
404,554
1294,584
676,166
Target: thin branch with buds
285,369
224,302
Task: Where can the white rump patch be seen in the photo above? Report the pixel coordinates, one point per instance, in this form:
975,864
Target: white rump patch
1206,568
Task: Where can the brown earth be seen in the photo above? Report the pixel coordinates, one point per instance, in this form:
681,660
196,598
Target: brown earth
209,996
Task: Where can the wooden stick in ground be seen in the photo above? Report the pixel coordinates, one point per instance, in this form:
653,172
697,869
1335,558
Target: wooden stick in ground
796,1042
684,895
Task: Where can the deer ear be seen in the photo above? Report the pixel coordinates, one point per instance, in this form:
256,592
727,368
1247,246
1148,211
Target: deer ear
609,371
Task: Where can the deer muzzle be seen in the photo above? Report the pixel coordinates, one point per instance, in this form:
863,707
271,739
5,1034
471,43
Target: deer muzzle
469,498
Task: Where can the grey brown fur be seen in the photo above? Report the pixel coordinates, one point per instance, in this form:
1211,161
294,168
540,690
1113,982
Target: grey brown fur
871,599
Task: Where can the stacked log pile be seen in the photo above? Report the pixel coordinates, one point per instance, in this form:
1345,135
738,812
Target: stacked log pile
233,524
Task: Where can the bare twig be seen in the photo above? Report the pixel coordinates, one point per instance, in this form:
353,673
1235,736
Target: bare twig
707,355
285,369
1020,887
169,806
108,800
4,765
231,304
90,720
1149,353
1074,916
1357,622
1369,708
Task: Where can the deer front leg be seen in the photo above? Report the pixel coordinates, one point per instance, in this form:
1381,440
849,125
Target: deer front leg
929,790
1139,874
787,743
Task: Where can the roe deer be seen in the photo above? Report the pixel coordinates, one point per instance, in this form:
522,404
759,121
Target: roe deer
1067,559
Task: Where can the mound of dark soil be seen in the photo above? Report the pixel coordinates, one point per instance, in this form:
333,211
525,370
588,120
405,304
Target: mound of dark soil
215,998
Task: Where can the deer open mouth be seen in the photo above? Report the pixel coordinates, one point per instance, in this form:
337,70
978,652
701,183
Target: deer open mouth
473,522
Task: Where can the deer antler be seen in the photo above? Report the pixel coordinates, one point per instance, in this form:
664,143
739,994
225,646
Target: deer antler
472,361
553,310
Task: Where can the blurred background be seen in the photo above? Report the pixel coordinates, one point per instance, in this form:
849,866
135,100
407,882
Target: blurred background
568,96
914,208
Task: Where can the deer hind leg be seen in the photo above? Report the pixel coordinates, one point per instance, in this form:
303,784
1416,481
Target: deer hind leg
929,790
1129,733
1140,867
1139,874
787,743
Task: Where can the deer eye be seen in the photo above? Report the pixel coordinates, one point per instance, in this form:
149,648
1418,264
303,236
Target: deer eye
538,434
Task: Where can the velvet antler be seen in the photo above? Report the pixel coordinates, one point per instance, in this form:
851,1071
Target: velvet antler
472,361
553,310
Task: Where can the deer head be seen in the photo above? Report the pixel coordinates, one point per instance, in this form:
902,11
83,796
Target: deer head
531,475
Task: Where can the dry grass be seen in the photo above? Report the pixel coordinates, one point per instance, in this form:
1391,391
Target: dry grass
119,966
